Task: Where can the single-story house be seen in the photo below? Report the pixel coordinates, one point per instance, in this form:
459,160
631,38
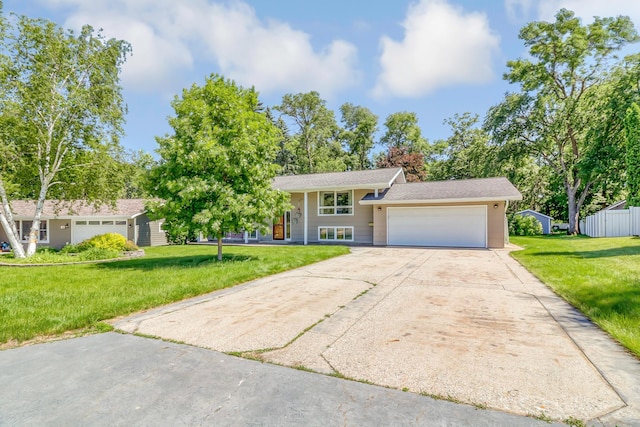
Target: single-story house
73,222
545,220
378,207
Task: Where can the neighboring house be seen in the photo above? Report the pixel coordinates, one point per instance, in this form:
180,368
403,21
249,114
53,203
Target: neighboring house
378,207
545,220
65,222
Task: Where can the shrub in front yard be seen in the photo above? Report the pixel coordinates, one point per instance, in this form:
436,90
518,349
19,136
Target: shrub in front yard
110,241
520,225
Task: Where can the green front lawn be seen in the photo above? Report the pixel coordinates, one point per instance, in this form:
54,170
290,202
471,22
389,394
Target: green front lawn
39,301
601,277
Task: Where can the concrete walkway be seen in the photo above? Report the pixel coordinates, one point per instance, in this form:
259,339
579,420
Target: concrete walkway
467,325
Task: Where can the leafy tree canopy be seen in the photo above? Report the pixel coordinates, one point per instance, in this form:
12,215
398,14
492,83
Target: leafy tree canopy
61,115
216,169
557,114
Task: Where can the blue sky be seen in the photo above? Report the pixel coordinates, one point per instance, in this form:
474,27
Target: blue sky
432,57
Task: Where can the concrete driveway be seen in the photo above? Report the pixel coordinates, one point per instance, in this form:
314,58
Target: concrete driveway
467,325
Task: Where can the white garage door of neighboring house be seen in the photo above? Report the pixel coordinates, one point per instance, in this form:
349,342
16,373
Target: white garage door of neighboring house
455,226
86,229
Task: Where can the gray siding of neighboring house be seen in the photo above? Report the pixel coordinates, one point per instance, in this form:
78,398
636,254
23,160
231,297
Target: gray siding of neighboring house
360,220
59,233
131,231
148,232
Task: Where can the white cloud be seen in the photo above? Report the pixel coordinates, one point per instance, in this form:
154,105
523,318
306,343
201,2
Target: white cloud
169,37
518,10
442,46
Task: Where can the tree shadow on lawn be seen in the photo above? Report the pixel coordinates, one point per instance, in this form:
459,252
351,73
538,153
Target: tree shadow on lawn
600,253
193,261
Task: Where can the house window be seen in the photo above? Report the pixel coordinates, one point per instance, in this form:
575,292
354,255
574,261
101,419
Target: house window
335,202
94,222
121,222
43,235
81,222
161,227
107,222
344,234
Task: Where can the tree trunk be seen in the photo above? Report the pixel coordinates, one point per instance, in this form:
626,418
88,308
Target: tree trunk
219,248
573,210
9,225
12,236
34,234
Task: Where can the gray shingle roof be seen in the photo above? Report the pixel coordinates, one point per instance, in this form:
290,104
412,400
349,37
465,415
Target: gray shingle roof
367,179
482,189
57,209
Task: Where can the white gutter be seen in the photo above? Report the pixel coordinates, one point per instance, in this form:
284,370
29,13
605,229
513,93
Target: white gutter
434,201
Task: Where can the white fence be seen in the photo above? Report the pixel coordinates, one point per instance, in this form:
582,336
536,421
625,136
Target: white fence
612,223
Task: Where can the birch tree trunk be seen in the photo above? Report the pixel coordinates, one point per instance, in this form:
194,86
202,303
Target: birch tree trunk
9,225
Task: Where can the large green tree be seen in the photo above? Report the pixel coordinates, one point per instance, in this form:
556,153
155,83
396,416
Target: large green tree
359,128
402,130
632,125
215,171
316,133
406,147
467,153
61,113
554,115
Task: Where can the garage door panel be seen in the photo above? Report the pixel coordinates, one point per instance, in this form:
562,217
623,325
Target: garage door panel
84,230
438,226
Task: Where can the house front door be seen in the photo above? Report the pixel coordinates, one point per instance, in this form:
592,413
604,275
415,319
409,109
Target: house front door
278,229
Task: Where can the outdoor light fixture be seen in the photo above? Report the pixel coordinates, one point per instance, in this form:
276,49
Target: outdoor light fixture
495,206
64,227
379,208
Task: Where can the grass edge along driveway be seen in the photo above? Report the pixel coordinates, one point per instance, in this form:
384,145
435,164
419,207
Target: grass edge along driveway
598,276
52,300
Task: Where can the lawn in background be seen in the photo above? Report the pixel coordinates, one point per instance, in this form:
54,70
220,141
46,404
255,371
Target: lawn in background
42,301
599,276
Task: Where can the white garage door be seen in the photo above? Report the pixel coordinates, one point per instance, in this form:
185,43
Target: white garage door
455,226
83,230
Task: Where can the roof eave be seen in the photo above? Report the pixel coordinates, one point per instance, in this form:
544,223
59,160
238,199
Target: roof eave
439,201
371,186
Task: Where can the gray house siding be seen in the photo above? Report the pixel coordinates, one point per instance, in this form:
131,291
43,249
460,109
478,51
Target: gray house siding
360,220
59,233
148,232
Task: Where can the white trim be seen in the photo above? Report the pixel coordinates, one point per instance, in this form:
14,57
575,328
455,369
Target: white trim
438,201
335,233
335,206
306,218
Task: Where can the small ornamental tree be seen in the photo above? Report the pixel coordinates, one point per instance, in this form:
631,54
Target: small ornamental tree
632,128
216,170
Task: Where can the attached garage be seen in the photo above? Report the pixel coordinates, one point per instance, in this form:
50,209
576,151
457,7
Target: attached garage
467,213
85,229
452,226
